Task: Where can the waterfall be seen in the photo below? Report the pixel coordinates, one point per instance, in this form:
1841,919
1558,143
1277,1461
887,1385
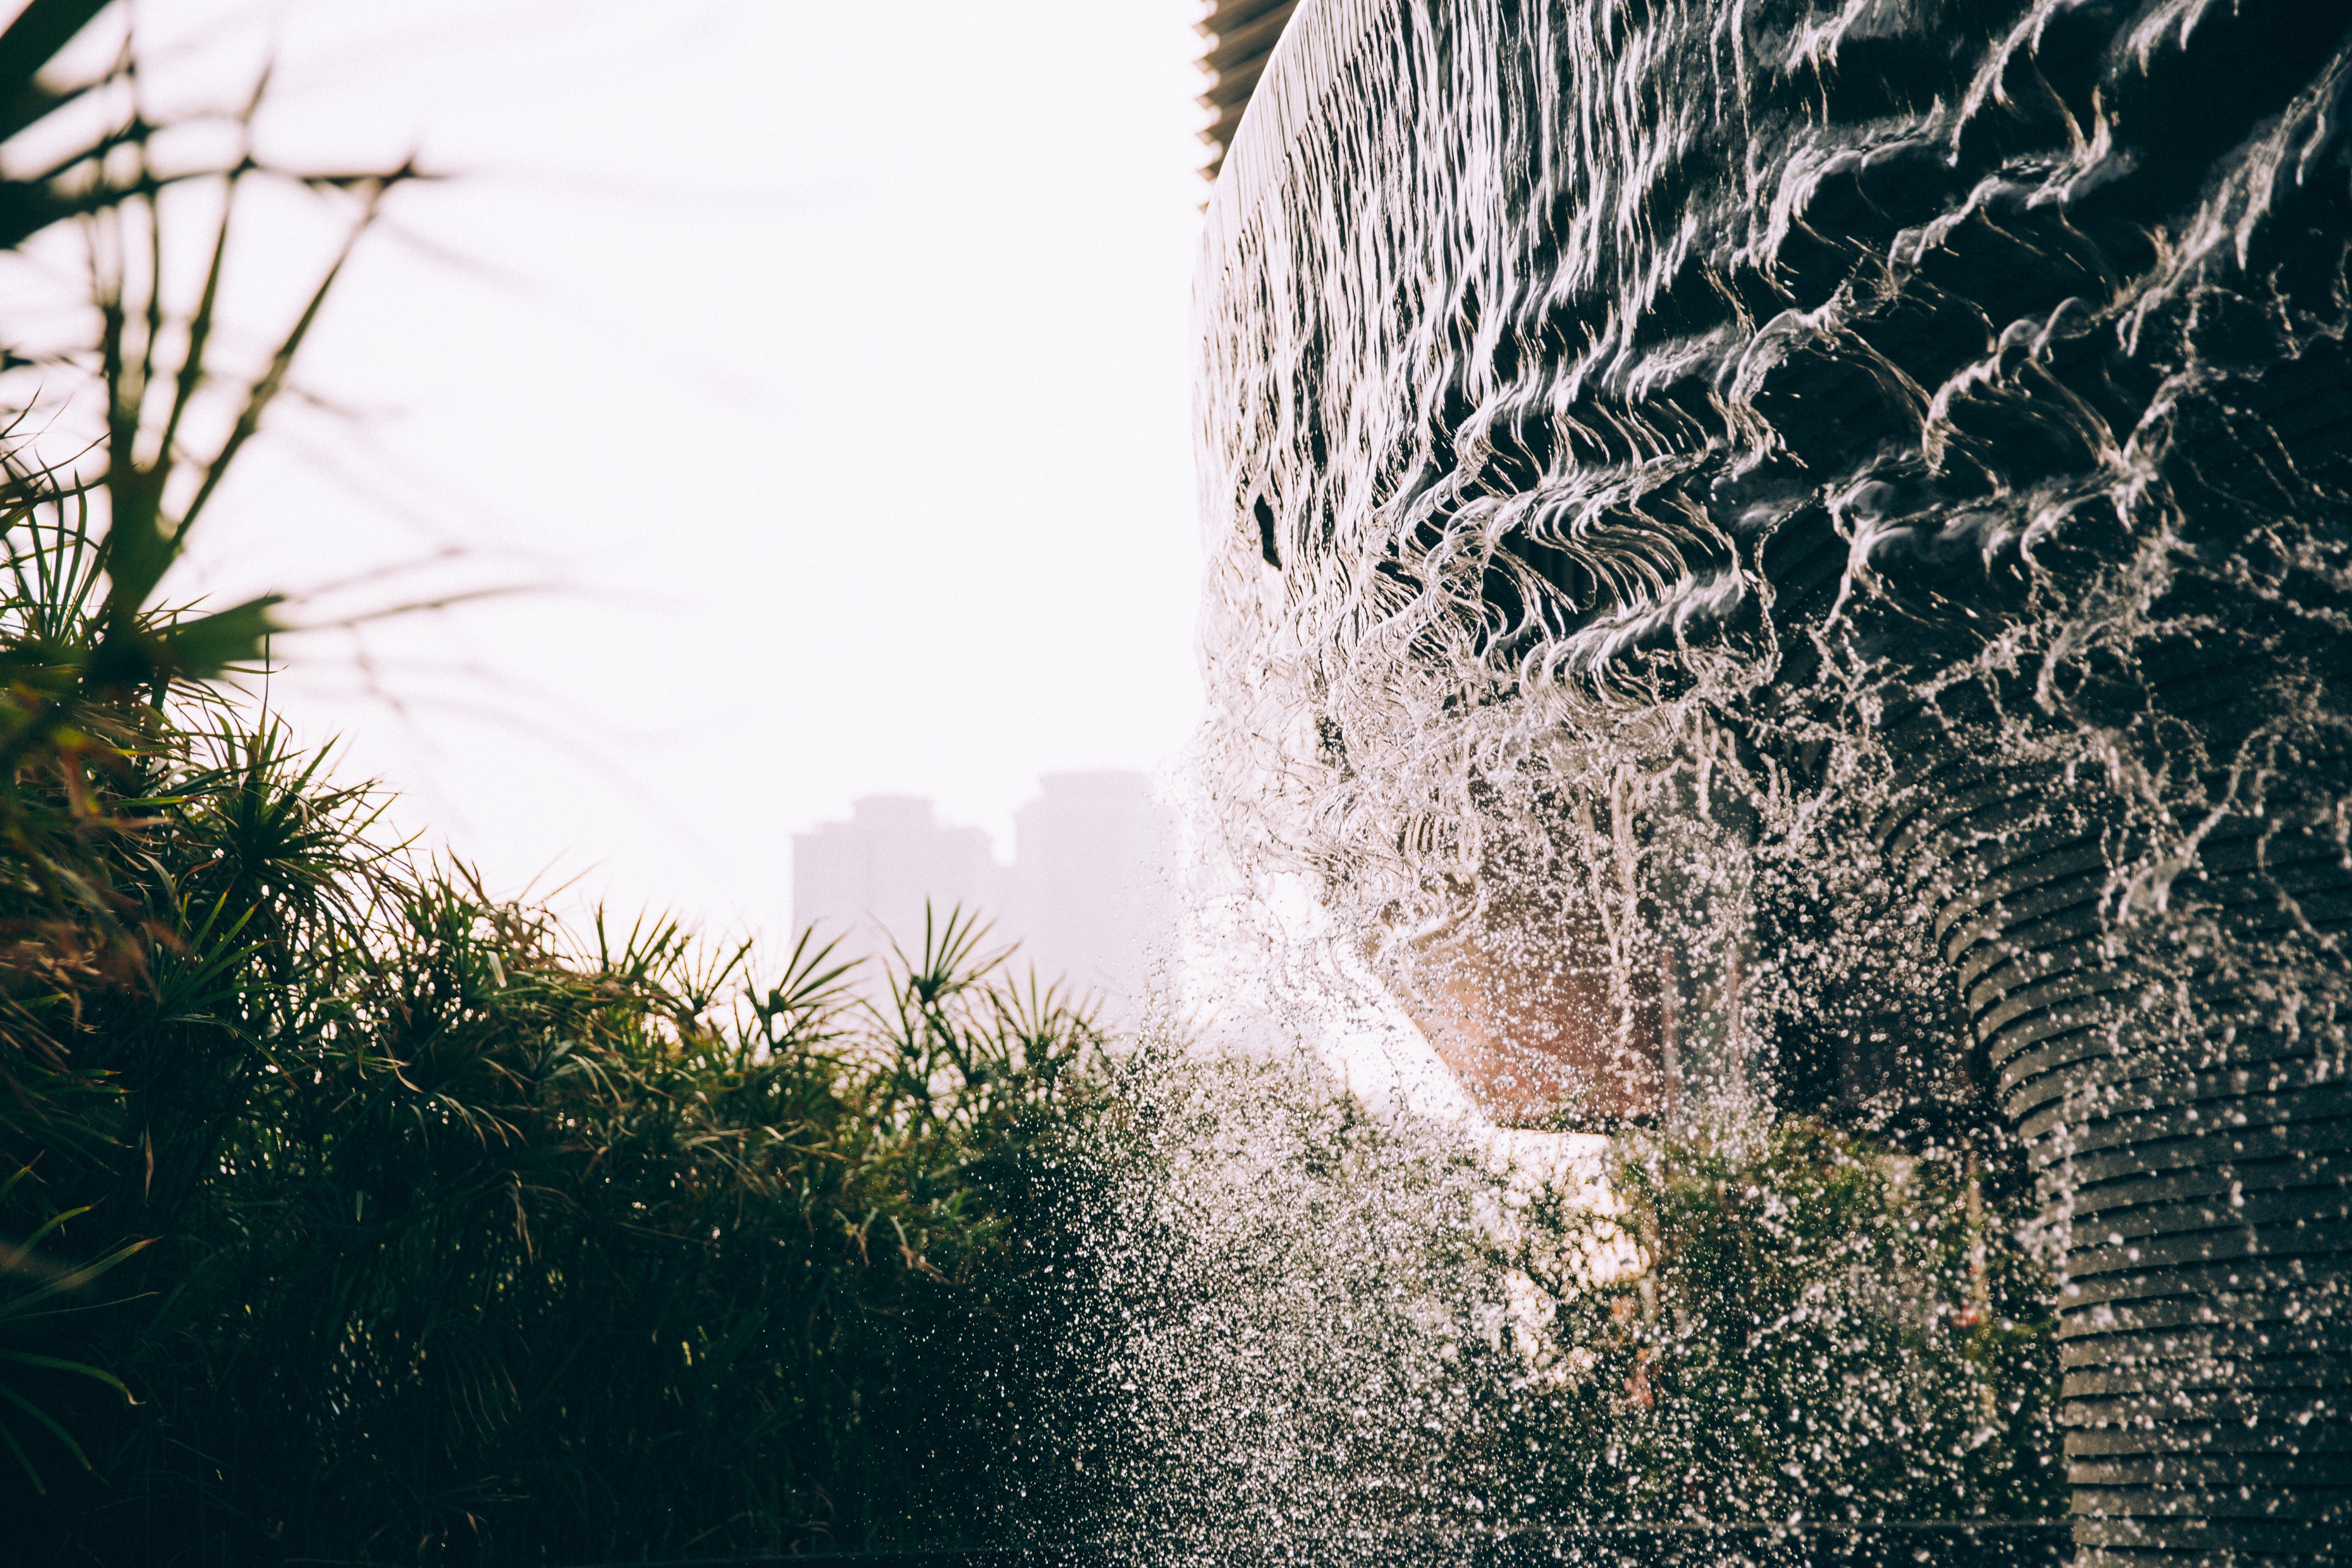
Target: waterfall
1795,556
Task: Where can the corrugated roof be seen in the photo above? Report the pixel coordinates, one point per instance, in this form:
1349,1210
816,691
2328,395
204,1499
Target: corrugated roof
1241,34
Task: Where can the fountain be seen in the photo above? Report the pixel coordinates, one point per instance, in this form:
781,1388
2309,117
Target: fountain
1789,555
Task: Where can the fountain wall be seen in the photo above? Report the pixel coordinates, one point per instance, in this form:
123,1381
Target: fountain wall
1797,557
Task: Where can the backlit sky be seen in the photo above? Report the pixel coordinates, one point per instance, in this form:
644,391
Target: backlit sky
821,364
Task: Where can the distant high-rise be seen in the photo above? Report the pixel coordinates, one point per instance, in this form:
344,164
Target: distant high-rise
1087,896
1091,897
867,880
1240,35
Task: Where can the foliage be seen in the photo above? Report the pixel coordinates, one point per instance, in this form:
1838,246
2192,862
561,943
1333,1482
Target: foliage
89,651
90,658
1324,1329
467,1244
357,1214
1812,1326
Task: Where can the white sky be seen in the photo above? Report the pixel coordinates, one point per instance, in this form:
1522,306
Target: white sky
827,360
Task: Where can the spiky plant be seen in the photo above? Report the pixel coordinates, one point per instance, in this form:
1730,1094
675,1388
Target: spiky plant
349,1212
92,663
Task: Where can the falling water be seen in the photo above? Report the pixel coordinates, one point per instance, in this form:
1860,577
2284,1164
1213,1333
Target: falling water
1789,558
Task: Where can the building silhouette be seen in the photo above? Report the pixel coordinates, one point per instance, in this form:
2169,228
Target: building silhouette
867,881
1089,891
1088,897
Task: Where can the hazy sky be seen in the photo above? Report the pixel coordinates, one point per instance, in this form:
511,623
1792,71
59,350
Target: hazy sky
826,363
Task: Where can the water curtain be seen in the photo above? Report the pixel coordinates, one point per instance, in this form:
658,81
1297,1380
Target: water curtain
1802,555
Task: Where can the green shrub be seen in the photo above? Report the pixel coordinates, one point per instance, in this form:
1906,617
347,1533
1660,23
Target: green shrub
1322,1327
1811,1325
415,1229
466,1245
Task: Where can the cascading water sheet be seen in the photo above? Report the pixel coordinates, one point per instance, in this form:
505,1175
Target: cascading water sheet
1790,552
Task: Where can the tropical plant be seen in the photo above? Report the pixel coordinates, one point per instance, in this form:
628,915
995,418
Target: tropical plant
91,658
471,1241
410,1225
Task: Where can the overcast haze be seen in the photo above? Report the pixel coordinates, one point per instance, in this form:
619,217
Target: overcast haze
825,364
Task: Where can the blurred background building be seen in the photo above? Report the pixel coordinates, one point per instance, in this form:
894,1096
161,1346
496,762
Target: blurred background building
868,881
1088,895
1090,891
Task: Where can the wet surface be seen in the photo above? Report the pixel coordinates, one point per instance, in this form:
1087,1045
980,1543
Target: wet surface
1779,558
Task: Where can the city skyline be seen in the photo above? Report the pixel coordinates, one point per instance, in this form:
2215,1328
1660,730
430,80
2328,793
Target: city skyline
1086,901
900,609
